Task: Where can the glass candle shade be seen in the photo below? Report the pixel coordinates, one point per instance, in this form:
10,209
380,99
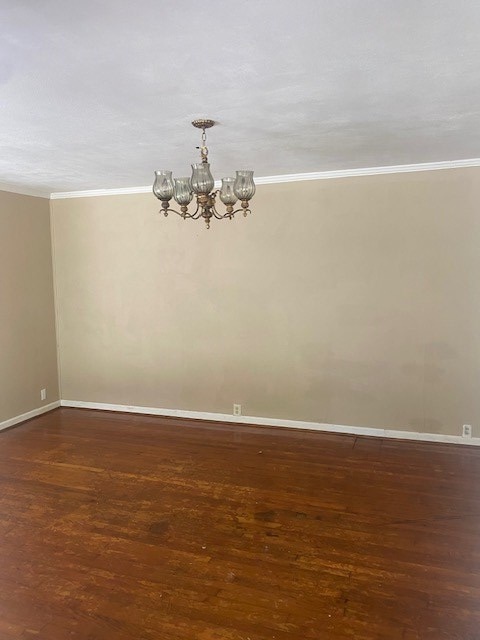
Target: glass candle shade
227,195
183,191
202,181
163,185
244,186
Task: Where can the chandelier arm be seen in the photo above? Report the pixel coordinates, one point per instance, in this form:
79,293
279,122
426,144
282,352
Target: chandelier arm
166,211
229,213
245,211
196,214
187,214
218,215
183,214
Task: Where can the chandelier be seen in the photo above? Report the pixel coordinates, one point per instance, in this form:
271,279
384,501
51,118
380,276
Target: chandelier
202,184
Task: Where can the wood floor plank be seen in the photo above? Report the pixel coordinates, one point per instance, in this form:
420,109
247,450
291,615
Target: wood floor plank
127,527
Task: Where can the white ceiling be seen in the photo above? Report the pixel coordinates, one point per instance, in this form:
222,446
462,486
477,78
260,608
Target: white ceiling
99,93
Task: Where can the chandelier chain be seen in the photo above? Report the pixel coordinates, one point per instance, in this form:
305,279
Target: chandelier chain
203,148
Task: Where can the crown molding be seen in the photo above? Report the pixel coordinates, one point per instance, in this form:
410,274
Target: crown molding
24,191
92,193
370,171
292,177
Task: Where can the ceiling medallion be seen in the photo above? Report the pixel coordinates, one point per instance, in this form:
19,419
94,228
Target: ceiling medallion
201,184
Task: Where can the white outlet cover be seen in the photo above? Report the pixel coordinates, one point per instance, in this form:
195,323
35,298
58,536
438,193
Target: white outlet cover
467,431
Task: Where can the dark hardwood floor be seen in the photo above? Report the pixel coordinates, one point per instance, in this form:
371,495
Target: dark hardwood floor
127,527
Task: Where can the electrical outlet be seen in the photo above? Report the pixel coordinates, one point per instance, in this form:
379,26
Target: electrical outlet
43,394
237,409
467,431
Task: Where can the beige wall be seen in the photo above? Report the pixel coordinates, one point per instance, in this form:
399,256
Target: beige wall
352,301
28,360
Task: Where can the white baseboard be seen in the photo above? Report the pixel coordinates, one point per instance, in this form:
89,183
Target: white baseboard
30,414
274,422
252,420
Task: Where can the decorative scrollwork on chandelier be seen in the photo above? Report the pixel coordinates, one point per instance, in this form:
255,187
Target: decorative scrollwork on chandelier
201,185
